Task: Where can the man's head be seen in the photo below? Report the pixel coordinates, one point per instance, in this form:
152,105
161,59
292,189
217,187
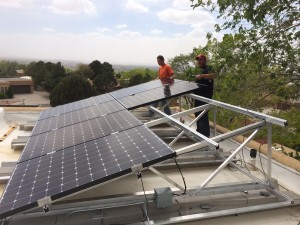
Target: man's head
160,60
201,60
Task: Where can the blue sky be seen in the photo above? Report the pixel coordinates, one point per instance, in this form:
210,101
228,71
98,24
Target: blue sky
115,31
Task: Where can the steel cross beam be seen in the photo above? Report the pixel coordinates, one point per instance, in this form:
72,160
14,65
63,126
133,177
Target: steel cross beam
186,128
270,119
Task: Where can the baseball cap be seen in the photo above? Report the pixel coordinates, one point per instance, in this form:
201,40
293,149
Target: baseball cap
201,56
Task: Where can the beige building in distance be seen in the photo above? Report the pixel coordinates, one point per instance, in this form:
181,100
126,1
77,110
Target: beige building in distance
18,85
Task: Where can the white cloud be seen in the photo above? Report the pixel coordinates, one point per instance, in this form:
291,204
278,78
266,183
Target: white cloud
121,26
178,35
133,49
103,30
15,3
156,32
129,34
186,16
48,29
72,7
136,7
182,4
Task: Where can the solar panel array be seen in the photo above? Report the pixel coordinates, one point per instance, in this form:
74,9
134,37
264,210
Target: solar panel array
85,143
150,96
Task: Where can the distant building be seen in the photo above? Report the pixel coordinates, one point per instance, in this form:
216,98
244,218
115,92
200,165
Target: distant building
20,73
18,85
4,85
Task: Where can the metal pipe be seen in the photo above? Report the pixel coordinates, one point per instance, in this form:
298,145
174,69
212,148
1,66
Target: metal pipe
269,160
220,213
228,160
215,120
175,115
270,119
165,178
186,128
189,125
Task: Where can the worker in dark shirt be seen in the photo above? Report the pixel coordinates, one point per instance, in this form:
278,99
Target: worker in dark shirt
205,81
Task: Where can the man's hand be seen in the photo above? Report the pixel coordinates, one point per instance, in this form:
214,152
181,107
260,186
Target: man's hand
198,77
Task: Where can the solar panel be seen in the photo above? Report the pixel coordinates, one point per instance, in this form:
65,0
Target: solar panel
157,94
76,116
81,166
85,143
135,89
65,137
58,110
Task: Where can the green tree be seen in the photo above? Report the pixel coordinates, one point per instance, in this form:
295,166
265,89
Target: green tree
8,68
105,81
135,79
96,66
37,71
84,70
270,37
54,74
9,92
70,89
136,76
183,66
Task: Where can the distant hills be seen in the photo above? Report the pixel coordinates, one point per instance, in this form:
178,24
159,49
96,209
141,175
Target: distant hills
72,64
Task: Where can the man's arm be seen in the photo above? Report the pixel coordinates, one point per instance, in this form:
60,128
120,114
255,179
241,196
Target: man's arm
211,76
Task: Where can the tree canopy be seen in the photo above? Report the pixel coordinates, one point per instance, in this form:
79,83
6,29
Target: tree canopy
8,68
104,79
268,33
70,89
46,75
257,59
96,67
136,76
84,70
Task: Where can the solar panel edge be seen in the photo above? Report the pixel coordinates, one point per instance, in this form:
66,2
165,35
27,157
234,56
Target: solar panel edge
161,159
151,102
129,107
18,210
92,184
143,84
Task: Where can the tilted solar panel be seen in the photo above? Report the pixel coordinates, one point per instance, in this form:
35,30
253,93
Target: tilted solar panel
86,143
157,94
77,116
65,137
81,166
135,89
61,109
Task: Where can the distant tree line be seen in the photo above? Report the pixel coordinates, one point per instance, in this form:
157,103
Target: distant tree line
66,85
8,68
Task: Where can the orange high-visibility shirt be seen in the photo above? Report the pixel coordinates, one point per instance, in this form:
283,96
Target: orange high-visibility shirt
165,71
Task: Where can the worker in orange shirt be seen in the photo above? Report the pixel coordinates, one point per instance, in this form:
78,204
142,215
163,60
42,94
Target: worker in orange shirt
166,75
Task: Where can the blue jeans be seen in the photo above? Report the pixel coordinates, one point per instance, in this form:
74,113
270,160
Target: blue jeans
167,109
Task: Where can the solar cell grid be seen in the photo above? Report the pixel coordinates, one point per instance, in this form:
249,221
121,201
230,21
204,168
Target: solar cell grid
81,166
77,116
65,137
58,110
157,94
137,89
